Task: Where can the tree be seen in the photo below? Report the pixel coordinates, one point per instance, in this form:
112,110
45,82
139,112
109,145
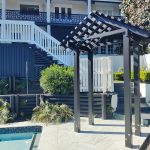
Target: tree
137,12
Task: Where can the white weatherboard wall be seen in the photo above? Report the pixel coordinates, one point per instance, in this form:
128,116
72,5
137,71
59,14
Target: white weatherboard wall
145,91
117,61
102,75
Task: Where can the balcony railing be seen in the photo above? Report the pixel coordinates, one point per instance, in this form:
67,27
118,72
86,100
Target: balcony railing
41,17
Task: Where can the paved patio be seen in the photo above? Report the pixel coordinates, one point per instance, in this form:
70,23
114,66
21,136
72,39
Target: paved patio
104,135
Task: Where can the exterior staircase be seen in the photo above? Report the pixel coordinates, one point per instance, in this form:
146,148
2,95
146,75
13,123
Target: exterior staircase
28,32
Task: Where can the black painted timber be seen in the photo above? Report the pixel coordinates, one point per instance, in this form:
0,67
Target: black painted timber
27,103
127,91
137,100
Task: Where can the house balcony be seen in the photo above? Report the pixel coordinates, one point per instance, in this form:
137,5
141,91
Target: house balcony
72,19
40,17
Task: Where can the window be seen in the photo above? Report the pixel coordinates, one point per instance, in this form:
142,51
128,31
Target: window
110,49
107,12
56,10
63,12
69,13
29,9
103,49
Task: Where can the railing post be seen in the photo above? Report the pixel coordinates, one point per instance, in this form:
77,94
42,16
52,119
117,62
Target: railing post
32,33
37,100
12,104
41,97
17,105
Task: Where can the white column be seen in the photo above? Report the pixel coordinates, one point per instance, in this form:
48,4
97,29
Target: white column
89,6
3,9
48,16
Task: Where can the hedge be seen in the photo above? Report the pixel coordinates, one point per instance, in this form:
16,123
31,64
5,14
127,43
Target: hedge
144,76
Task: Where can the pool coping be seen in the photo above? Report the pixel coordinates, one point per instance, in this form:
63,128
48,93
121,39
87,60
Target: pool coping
22,129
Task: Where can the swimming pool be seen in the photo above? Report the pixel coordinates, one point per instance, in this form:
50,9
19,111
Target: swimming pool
19,138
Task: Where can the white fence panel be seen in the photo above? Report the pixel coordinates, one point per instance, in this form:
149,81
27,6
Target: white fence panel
102,75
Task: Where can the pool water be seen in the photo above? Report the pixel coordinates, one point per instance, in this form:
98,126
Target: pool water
18,141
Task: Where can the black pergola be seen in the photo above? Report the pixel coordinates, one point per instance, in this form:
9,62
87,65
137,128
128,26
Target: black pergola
94,31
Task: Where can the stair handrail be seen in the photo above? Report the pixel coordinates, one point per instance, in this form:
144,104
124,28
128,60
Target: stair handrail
27,31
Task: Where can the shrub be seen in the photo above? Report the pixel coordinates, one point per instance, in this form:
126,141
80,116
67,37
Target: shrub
118,76
132,75
57,80
110,110
50,113
4,88
20,84
120,69
5,114
145,76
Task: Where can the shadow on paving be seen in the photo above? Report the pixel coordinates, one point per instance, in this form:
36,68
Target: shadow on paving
101,132
109,125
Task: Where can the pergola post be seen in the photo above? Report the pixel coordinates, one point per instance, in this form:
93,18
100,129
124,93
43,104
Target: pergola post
127,91
137,109
76,90
90,87
104,113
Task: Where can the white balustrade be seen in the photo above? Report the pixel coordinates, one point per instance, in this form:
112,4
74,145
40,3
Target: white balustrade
28,32
102,75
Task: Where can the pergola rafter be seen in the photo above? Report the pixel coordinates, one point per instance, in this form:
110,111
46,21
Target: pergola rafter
98,29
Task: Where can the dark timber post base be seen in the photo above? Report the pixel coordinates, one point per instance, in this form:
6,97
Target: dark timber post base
127,91
137,89
103,106
76,91
90,87
12,105
37,100
17,105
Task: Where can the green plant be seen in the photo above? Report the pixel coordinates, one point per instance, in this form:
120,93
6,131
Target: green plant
4,88
20,84
109,110
118,76
137,11
120,69
57,80
50,113
5,113
132,75
145,76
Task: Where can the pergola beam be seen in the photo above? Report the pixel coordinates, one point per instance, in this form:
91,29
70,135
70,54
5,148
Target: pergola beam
106,34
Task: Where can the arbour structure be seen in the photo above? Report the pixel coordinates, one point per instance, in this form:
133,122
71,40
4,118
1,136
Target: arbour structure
98,29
